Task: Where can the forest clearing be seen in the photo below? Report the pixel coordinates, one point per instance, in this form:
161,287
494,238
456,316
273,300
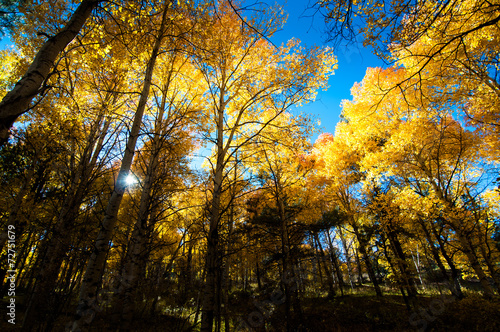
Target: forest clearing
157,172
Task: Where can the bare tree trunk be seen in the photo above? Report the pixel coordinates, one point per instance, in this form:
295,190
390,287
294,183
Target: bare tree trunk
453,283
226,288
469,251
393,268
347,258
416,262
43,295
360,268
335,263
287,278
87,305
213,261
491,267
213,255
329,275
405,277
317,271
17,101
366,258
136,255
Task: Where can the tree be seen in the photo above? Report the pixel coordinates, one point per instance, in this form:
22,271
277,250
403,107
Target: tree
88,97
337,160
88,292
421,146
16,101
452,44
275,158
249,84
161,159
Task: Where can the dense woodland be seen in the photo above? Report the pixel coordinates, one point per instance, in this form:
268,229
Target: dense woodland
389,223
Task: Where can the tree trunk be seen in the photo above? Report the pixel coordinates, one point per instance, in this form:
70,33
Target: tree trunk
491,267
329,274
136,255
347,258
213,255
360,269
403,266
469,251
335,263
317,271
16,101
87,304
366,258
393,268
453,282
57,245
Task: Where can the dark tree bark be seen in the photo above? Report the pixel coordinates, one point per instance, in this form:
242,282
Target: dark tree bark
57,245
366,258
329,274
335,262
87,305
453,281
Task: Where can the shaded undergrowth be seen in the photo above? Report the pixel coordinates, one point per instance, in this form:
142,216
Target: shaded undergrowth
362,311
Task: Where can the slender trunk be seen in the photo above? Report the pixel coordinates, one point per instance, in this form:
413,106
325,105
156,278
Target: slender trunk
212,258
17,101
287,276
28,256
366,258
209,290
404,269
87,304
347,258
317,270
454,282
226,287
329,274
393,268
187,285
134,262
416,262
491,267
469,251
360,269
257,272
213,263
335,263
136,255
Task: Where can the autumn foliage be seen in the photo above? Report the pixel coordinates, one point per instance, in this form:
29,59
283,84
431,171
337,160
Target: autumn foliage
159,172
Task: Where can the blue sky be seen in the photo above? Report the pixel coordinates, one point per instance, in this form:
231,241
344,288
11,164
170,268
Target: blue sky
352,61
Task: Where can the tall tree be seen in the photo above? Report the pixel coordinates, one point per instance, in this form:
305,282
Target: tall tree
275,158
95,116
162,157
249,83
88,293
17,101
422,146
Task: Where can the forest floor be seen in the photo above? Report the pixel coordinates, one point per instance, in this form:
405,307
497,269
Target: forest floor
361,311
